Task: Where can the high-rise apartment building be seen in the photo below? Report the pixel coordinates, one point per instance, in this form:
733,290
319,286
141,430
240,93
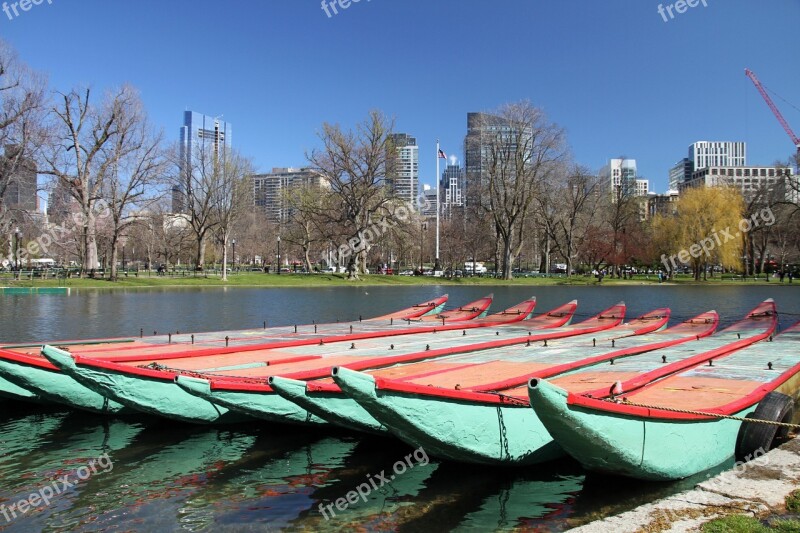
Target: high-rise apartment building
642,187
779,183
405,183
270,190
200,136
704,154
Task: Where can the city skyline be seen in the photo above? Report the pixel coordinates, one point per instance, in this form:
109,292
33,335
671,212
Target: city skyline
254,82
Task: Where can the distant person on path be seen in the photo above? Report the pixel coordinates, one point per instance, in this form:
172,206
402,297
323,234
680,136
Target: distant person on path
783,274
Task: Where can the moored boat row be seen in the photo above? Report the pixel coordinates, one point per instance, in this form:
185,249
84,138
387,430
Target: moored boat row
506,389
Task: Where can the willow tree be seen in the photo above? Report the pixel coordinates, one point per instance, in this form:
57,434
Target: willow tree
356,164
521,149
709,220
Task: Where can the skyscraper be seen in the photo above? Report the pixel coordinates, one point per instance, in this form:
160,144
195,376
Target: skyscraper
487,134
704,154
452,187
680,173
405,183
619,177
20,191
199,134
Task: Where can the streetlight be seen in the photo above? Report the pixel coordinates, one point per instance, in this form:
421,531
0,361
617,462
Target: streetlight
279,254
16,253
233,242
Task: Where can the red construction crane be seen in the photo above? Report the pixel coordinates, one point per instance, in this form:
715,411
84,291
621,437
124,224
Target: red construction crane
750,74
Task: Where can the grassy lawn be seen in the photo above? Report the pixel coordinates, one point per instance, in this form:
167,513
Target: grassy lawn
257,279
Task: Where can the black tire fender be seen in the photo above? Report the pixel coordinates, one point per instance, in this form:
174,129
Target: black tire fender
754,436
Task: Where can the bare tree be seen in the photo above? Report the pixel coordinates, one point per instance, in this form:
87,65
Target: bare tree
22,106
522,151
230,197
136,167
577,197
356,164
80,157
304,228
621,215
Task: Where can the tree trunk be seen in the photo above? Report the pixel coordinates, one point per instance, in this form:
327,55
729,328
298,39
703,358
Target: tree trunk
89,243
113,276
507,256
224,259
200,258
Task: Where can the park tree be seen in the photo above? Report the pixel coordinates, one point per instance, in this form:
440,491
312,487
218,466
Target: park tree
305,227
81,154
709,219
621,213
523,151
231,197
135,171
197,174
22,132
666,234
356,164
576,197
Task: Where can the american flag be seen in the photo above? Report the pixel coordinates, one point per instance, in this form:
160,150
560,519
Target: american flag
442,154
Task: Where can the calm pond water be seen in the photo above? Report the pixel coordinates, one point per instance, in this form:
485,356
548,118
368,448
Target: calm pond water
156,475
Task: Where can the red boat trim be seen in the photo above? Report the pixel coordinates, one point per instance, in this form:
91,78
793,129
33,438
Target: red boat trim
388,385
170,374
567,367
677,366
32,360
727,409
422,328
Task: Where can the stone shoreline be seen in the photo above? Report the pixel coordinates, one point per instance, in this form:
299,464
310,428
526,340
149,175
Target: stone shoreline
758,490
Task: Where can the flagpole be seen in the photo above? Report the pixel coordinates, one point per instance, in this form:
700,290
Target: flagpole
436,266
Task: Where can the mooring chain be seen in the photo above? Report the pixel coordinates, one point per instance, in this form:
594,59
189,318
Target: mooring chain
712,415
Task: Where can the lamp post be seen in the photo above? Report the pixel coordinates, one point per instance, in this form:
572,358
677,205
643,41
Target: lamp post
16,251
279,254
233,259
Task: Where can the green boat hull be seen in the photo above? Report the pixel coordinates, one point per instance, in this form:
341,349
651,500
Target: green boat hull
148,395
335,408
489,434
12,391
253,404
643,448
58,387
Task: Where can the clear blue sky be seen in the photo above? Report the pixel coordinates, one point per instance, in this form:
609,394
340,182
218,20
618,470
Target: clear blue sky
613,73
